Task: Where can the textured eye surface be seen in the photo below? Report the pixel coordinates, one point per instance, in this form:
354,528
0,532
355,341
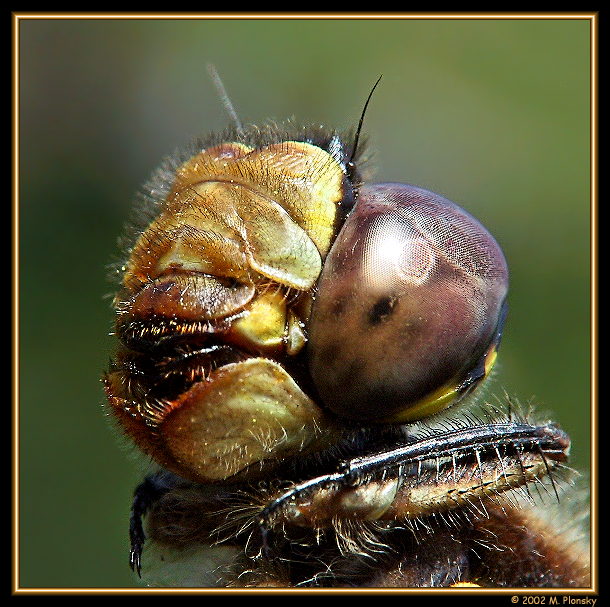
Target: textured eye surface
409,306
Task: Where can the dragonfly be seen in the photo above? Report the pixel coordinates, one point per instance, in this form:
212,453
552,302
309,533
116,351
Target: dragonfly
300,353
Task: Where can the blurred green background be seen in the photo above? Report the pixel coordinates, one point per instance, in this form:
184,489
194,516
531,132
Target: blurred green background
493,114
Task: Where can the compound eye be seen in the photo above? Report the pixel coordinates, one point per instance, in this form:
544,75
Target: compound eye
410,306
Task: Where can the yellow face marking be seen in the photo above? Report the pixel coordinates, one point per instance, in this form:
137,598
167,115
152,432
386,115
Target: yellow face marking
265,324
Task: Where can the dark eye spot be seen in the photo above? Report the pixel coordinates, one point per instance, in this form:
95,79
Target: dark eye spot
381,310
329,354
338,307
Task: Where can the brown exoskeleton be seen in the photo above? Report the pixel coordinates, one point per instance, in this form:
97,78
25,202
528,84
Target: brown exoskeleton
290,342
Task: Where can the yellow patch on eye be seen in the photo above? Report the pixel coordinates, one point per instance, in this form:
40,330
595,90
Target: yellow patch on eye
433,403
439,399
490,360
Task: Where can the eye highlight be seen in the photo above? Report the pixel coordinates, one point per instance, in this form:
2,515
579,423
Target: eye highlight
409,309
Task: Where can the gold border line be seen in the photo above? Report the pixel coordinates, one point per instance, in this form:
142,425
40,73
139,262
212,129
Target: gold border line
591,16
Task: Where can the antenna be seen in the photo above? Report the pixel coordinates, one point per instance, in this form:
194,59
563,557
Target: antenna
357,136
222,93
